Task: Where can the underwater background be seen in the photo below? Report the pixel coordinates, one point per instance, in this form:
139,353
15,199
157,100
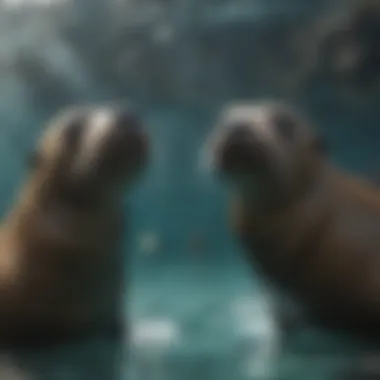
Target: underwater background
197,311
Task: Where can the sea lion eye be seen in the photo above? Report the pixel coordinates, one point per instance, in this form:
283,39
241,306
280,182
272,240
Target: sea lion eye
284,126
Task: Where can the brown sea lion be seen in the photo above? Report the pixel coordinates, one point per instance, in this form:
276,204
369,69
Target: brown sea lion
61,262
311,229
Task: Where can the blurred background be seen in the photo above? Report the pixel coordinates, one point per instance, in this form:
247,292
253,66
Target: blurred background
197,311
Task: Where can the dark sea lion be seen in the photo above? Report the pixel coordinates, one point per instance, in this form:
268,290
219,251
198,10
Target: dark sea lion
62,273
311,229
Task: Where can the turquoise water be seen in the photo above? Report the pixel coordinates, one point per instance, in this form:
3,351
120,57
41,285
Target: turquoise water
204,313
196,310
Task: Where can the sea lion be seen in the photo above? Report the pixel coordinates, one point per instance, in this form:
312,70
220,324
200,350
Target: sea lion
61,259
310,228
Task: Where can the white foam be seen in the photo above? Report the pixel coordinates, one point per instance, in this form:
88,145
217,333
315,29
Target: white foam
151,339
149,243
159,333
255,321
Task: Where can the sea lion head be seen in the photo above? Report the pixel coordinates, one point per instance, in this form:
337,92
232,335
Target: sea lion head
266,147
90,154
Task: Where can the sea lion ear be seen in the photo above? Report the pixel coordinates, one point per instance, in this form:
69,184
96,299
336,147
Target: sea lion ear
33,159
319,145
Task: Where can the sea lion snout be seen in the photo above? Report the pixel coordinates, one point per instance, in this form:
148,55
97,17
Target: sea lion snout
246,140
241,150
126,144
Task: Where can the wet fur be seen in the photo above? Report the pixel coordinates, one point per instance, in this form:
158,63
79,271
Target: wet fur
62,274
324,248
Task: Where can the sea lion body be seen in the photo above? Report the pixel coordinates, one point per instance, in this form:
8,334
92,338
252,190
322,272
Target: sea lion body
325,253
61,292
315,237
62,270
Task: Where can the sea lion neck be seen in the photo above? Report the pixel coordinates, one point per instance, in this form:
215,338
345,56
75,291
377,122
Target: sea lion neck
269,201
54,195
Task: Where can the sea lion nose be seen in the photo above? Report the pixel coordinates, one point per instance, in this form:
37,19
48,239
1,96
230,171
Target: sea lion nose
130,139
128,122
